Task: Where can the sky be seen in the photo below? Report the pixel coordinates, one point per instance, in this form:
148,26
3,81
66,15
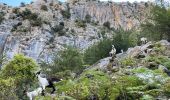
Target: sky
17,2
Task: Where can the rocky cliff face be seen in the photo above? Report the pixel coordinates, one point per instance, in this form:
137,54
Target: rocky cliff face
39,42
125,15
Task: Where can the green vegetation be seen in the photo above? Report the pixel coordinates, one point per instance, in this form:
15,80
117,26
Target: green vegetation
22,4
80,23
59,29
32,17
128,62
44,7
124,39
88,18
157,27
1,17
87,88
15,10
106,24
146,79
68,59
66,13
16,75
97,51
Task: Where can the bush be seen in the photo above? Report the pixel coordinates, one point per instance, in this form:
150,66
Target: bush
157,28
80,23
125,83
58,28
88,18
106,24
15,10
166,88
22,4
44,7
66,14
32,17
85,88
128,62
124,39
26,14
97,51
37,22
1,17
21,69
14,28
61,33
68,59
7,89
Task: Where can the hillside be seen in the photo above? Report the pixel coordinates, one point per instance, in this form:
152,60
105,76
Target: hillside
85,50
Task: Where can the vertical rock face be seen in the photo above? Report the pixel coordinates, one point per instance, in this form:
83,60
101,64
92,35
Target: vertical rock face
125,15
40,42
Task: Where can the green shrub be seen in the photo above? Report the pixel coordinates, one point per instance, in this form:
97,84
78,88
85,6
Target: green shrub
69,59
8,89
124,83
80,23
106,24
157,28
66,13
15,10
37,22
167,64
124,39
1,17
22,4
88,18
166,88
58,28
21,69
44,7
61,33
26,13
128,62
85,88
97,51
32,17
163,60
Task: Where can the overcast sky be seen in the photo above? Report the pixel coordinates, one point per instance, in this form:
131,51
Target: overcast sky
17,2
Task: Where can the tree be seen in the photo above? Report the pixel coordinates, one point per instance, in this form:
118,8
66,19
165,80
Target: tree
124,39
21,69
68,59
158,24
97,51
88,18
22,4
106,24
44,7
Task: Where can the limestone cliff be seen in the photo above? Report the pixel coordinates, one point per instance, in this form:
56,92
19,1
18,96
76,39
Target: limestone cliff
17,35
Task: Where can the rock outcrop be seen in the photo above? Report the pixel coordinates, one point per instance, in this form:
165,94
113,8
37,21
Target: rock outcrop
17,35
